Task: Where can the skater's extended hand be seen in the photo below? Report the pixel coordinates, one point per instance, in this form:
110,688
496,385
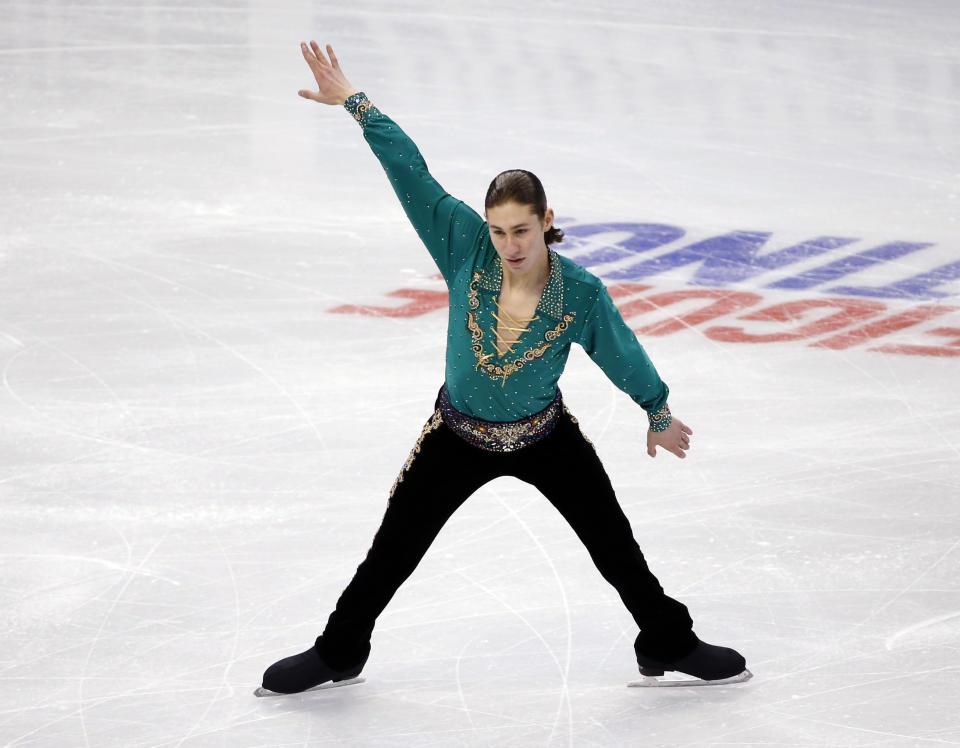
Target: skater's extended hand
675,439
333,86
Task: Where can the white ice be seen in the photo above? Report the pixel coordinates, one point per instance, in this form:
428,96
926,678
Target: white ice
195,452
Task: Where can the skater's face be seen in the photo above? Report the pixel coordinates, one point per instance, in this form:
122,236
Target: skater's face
517,234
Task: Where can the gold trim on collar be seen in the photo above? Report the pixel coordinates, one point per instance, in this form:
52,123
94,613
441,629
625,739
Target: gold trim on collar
483,359
551,299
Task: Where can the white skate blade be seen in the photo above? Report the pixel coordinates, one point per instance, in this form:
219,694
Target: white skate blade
265,692
650,681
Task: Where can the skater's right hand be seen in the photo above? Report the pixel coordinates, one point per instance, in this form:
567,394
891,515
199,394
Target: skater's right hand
333,86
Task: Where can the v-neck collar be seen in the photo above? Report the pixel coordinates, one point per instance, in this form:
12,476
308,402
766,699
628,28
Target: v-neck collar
551,299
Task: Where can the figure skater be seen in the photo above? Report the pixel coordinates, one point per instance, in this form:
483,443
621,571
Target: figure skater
516,307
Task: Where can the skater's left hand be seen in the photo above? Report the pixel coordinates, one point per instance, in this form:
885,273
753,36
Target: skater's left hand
675,439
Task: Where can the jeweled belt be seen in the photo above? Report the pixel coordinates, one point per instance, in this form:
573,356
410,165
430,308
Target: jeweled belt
497,436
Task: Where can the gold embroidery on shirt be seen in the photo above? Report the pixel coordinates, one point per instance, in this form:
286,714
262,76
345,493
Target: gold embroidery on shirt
502,372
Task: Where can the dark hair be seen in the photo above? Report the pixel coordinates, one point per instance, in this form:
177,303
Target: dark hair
521,187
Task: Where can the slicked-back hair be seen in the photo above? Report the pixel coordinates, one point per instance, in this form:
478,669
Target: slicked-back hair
524,188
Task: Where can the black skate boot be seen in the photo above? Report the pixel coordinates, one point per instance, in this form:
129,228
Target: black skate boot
303,671
708,665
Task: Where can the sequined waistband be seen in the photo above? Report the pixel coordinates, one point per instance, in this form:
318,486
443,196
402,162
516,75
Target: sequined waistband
495,436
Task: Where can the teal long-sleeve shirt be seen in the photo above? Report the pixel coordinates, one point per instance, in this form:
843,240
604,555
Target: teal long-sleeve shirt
575,306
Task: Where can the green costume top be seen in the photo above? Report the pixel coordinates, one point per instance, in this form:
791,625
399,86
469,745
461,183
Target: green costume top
575,306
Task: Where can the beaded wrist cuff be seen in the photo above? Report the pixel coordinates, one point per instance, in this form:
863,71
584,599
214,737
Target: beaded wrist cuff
360,108
661,420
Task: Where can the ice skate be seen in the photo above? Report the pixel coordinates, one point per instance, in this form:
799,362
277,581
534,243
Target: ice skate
305,672
266,692
707,665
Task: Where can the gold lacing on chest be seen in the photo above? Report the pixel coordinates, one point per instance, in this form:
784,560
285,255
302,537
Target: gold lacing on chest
502,372
505,346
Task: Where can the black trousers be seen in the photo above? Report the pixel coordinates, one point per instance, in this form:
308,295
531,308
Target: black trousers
442,472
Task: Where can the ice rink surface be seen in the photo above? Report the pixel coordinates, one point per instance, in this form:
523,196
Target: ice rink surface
220,337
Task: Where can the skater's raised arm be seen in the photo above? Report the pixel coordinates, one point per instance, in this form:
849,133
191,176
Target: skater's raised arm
448,227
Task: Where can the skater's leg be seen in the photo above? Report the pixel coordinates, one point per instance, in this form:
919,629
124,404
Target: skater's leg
442,472
566,469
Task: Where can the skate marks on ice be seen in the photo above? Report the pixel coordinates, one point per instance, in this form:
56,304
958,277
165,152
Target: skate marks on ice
261,692
652,681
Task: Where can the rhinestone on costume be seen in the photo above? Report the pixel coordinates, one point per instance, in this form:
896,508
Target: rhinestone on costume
494,436
360,108
661,420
